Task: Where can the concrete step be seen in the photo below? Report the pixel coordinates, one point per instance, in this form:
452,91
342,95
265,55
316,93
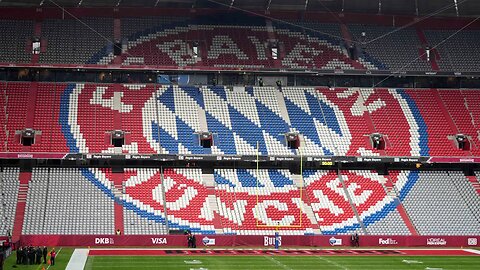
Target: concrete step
309,213
212,202
208,180
297,180
202,119
282,106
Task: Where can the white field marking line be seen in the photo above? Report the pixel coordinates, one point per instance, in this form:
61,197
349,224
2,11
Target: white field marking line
331,262
55,257
412,261
473,251
192,262
278,263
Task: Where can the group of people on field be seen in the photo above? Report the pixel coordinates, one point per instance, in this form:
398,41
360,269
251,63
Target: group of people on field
34,255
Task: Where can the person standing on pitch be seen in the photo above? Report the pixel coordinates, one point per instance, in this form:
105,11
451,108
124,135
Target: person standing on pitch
44,253
189,240
53,254
19,255
31,255
38,255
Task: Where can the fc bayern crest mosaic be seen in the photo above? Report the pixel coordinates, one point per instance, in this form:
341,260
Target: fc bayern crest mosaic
160,120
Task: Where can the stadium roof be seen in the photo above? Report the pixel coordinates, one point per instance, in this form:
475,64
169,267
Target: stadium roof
404,7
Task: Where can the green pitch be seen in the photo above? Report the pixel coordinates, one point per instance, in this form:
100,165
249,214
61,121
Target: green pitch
261,262
283,262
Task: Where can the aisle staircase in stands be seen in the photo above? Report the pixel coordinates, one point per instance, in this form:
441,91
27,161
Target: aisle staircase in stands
362,226
401,210
306,205
209,182
434,55
118,182
24,179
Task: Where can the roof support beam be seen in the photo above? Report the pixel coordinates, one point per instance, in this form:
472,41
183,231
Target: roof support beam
456,7
304,10
267,6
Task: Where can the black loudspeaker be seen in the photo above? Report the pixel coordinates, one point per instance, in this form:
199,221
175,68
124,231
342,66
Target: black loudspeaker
462,141
377,141
28,133
293,142
206,139
117,48
28,137
118,138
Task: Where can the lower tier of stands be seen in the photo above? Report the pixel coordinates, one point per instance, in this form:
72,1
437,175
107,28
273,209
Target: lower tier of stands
82,201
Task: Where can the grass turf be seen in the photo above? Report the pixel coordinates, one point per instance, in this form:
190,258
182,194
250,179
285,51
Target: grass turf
282,262
61,261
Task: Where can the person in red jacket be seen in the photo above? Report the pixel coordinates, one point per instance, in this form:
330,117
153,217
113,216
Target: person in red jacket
53,254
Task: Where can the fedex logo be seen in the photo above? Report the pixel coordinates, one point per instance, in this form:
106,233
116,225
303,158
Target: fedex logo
388,241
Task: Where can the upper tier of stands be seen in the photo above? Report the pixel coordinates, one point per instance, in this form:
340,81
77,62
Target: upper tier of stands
397,51
71,42
14,41
458,53
224,43
77,118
